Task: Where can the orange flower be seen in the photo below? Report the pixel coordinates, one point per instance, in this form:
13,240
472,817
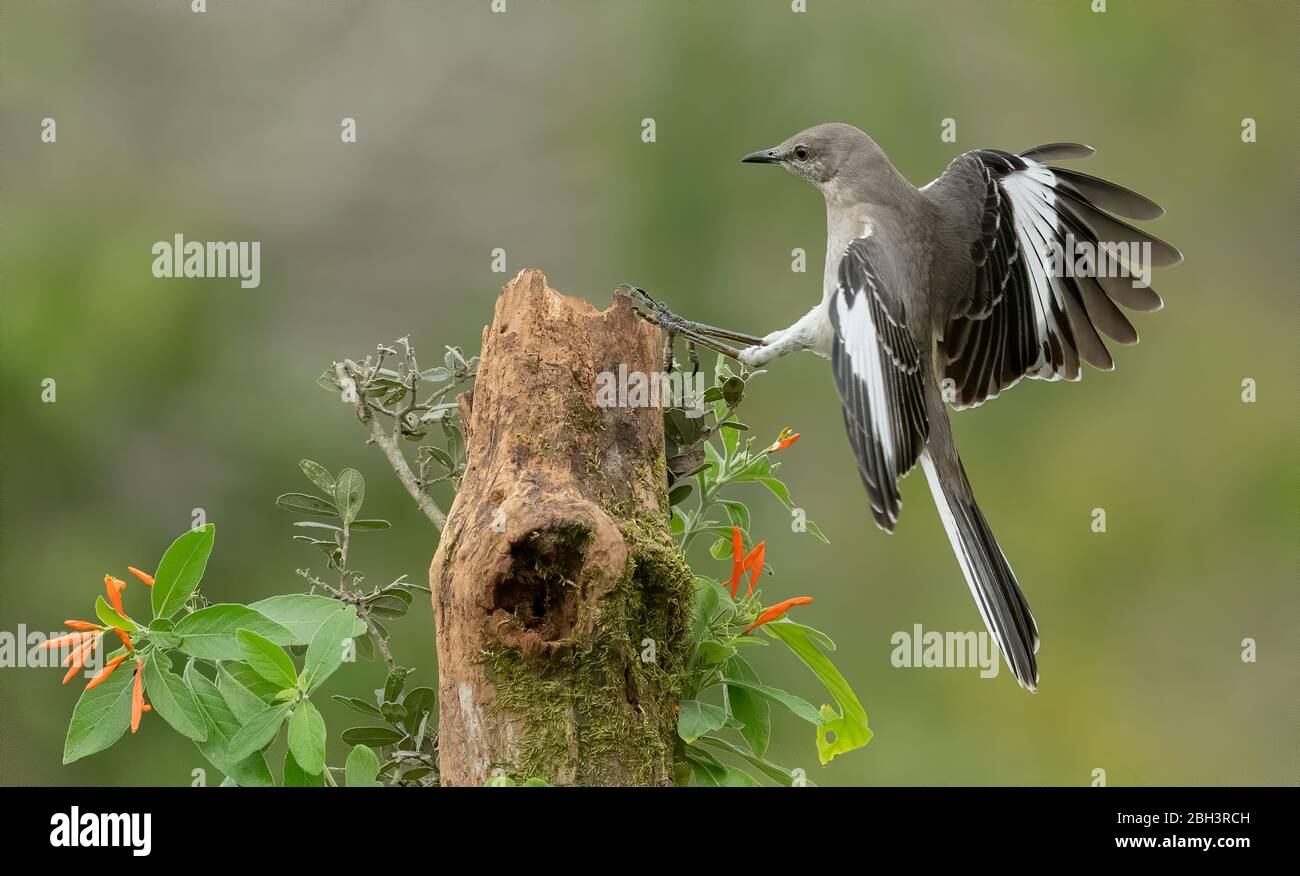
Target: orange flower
81,625
137,696
740,562
147,579
79,656
67,639
784,440
115,586
104,673
126,640
777,610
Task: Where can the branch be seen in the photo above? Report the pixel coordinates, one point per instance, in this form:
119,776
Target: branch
404,474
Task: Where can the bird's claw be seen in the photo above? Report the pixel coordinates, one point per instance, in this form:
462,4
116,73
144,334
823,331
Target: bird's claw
695,333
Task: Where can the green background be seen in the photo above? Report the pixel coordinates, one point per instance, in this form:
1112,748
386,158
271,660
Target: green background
522,131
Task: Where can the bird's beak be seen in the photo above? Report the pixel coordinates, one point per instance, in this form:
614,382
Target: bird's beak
762,156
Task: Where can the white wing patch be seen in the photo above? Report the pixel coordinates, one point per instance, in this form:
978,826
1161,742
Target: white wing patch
1030,191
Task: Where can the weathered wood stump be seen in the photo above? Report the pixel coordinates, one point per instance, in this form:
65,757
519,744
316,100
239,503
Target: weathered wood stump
562,602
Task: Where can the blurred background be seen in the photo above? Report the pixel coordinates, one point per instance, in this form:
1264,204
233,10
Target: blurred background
523,131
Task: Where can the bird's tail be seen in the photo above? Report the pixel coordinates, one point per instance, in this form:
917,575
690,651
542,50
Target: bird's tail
992,583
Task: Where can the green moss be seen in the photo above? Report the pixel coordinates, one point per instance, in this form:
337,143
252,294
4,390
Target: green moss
597,713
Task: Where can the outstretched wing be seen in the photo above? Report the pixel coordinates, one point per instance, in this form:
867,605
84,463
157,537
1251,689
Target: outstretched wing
1042,296
877,367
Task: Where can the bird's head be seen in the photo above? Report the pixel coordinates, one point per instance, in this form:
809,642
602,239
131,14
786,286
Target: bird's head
837,158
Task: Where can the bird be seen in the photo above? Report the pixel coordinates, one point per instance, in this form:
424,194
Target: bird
1004,267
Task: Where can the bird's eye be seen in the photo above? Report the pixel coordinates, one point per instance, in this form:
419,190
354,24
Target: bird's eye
801,153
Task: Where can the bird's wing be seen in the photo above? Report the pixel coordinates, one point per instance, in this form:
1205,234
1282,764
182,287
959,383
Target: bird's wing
1026,312
877,367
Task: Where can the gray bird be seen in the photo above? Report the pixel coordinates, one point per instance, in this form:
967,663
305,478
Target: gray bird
950,294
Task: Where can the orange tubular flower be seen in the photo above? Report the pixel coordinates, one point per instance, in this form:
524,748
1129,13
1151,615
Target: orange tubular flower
104,673
777,610
115,586
126,640
79,656
137,696
147,579
740,562
81,625
784,440
67,639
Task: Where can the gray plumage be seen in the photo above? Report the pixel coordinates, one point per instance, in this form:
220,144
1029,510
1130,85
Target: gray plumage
950,291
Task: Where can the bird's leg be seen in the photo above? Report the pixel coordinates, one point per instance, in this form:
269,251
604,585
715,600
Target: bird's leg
704,335
694,355
813,332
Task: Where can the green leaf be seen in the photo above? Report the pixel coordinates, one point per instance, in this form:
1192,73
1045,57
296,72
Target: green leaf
733,390
679,494
181,569
172,699
715,652
395,683
697,718
370,524
816,530
349,491
302,614
307,738
301,503
797,705
418,702
268,659
362,768
329,380
296,777
388,605
840,731
318,475
244,702
778,489
110,616
709,772
737,512
753,712
325,653
222,726
258,733
772,771
376,736
358,705
251,685
209,633
101,716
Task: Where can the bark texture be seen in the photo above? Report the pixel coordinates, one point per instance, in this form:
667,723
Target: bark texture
562,603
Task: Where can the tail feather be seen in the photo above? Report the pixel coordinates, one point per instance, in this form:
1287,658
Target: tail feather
991,581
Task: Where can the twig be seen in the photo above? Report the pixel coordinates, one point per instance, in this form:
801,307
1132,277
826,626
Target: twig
363,612
402,468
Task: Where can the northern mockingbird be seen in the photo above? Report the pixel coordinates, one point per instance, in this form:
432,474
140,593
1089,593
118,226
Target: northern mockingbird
950,294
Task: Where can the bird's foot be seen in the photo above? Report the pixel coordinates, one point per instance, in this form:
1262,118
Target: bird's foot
755,357
708,336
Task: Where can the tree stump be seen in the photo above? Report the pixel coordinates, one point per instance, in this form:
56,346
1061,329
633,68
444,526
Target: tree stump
562,602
